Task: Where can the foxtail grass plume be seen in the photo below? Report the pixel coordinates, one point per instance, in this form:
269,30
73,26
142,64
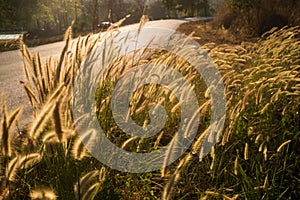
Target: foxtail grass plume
43,194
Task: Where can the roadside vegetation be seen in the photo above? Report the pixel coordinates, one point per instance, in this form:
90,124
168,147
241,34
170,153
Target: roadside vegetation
45,21
257,156
7,45
247,18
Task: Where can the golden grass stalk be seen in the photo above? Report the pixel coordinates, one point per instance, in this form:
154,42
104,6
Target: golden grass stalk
245,99
212,193
62,57
230,198
257,139
283,145
264,186
92,192
169,155
213,156
41,120
32,97
85,180
121,21
21,162
265,182
42,194
12,168
197,145
236,164
7,122
264,109
246,152
5,144
265,153
127,142
50,137
144,19
47,110
90,184
168,189
78,150
159,137
57,121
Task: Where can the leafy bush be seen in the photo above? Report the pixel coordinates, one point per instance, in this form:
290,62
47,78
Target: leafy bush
253,18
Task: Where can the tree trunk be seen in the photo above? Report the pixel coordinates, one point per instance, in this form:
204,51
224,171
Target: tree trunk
206,8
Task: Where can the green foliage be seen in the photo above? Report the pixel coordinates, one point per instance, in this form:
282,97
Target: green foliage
242,5
187,7
17,15
156,10
45,18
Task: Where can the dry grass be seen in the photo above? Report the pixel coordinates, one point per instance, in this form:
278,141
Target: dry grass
9,45
261,81
205,32
254,157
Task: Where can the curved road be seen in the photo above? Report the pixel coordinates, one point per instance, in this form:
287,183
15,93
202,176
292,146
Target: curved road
11,68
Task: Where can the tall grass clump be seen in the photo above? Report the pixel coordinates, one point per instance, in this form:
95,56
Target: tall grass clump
43,155
256,156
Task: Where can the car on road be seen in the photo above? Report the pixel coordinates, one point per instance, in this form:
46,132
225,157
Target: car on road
106,25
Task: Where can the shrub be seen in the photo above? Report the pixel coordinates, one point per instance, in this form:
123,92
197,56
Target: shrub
253,18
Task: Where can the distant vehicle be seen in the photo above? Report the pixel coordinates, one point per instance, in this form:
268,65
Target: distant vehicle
106,25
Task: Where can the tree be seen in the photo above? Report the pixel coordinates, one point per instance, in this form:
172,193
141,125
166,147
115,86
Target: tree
17,14
170,5
242,5
206,8
54,14
187,7
141,6
156,10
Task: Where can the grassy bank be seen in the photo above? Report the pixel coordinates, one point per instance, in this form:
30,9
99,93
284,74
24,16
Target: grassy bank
33,42
9,45
257,155
15,44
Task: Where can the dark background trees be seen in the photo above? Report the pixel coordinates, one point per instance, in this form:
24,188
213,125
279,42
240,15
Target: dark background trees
17,14
43,18
255,17
180,8
54,16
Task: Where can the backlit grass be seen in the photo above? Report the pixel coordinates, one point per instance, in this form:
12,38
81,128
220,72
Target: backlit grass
257,155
